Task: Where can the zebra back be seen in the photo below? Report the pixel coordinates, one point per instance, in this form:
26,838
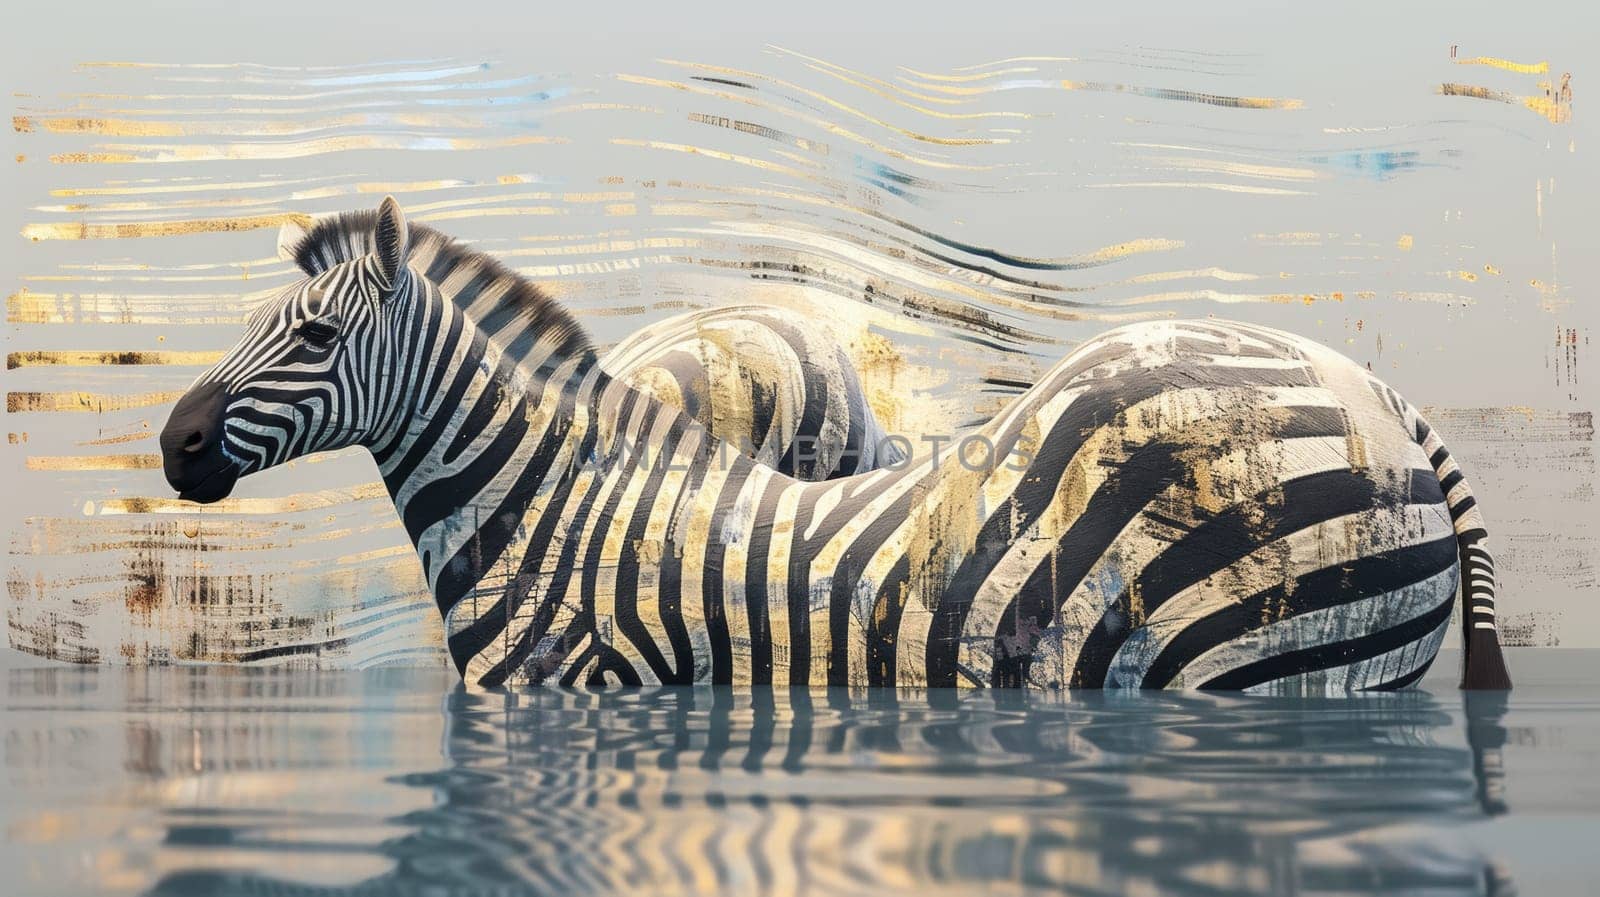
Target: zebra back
768,381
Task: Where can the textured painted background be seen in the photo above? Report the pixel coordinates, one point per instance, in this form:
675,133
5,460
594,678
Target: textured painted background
964,197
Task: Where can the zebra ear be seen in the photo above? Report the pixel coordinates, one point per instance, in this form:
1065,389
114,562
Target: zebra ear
291,235
389,243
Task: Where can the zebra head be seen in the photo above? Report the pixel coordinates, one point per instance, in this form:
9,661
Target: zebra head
311,374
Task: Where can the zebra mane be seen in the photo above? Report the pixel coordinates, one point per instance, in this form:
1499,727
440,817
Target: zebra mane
511,309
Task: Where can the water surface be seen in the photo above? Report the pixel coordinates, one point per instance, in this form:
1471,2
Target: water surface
216,780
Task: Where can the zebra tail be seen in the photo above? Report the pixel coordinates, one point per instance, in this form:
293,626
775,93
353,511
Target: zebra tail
1485,665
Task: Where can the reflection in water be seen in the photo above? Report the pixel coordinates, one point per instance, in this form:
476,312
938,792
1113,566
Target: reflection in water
288,783
678,790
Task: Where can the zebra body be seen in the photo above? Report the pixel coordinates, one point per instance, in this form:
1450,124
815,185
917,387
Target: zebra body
1174,504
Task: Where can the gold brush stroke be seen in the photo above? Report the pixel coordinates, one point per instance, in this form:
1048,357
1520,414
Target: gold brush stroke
208,152
842,107
244,273
121,439
805,161
1137,90
427,80
1185,147
132,229
288,76
491,213
963,79
692,150
347,561
1291,238
304,501
1241,169
955,91
597,248
1010,59
352,68
379,90
865,84
1554,108
1226,298
436,210
18,402
1125,249
1213,273
322,192
1521,68
28,307
760,130
576,269
130,188
94,462
1557,111
198,266
1452,89
93,359
1189,96
125,127
1441,297
93,158
173,205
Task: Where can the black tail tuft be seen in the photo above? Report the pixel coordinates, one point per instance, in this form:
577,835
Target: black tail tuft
1485,666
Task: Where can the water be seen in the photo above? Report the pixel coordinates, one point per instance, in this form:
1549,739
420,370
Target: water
260,781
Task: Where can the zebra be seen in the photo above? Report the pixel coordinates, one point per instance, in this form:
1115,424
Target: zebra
769,381
1189,504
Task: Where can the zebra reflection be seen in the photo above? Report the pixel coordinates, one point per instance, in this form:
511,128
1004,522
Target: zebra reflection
680,790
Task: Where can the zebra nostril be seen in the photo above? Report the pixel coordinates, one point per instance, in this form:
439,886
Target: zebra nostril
196,442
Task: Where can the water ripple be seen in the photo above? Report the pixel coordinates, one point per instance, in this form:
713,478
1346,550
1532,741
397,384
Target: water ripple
217,782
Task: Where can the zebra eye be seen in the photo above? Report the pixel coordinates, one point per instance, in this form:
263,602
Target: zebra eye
318,333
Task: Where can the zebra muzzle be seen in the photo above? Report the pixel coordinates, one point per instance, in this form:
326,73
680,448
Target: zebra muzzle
192,456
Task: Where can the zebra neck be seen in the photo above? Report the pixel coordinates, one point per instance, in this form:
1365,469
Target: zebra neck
633,478
484,436
478,287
